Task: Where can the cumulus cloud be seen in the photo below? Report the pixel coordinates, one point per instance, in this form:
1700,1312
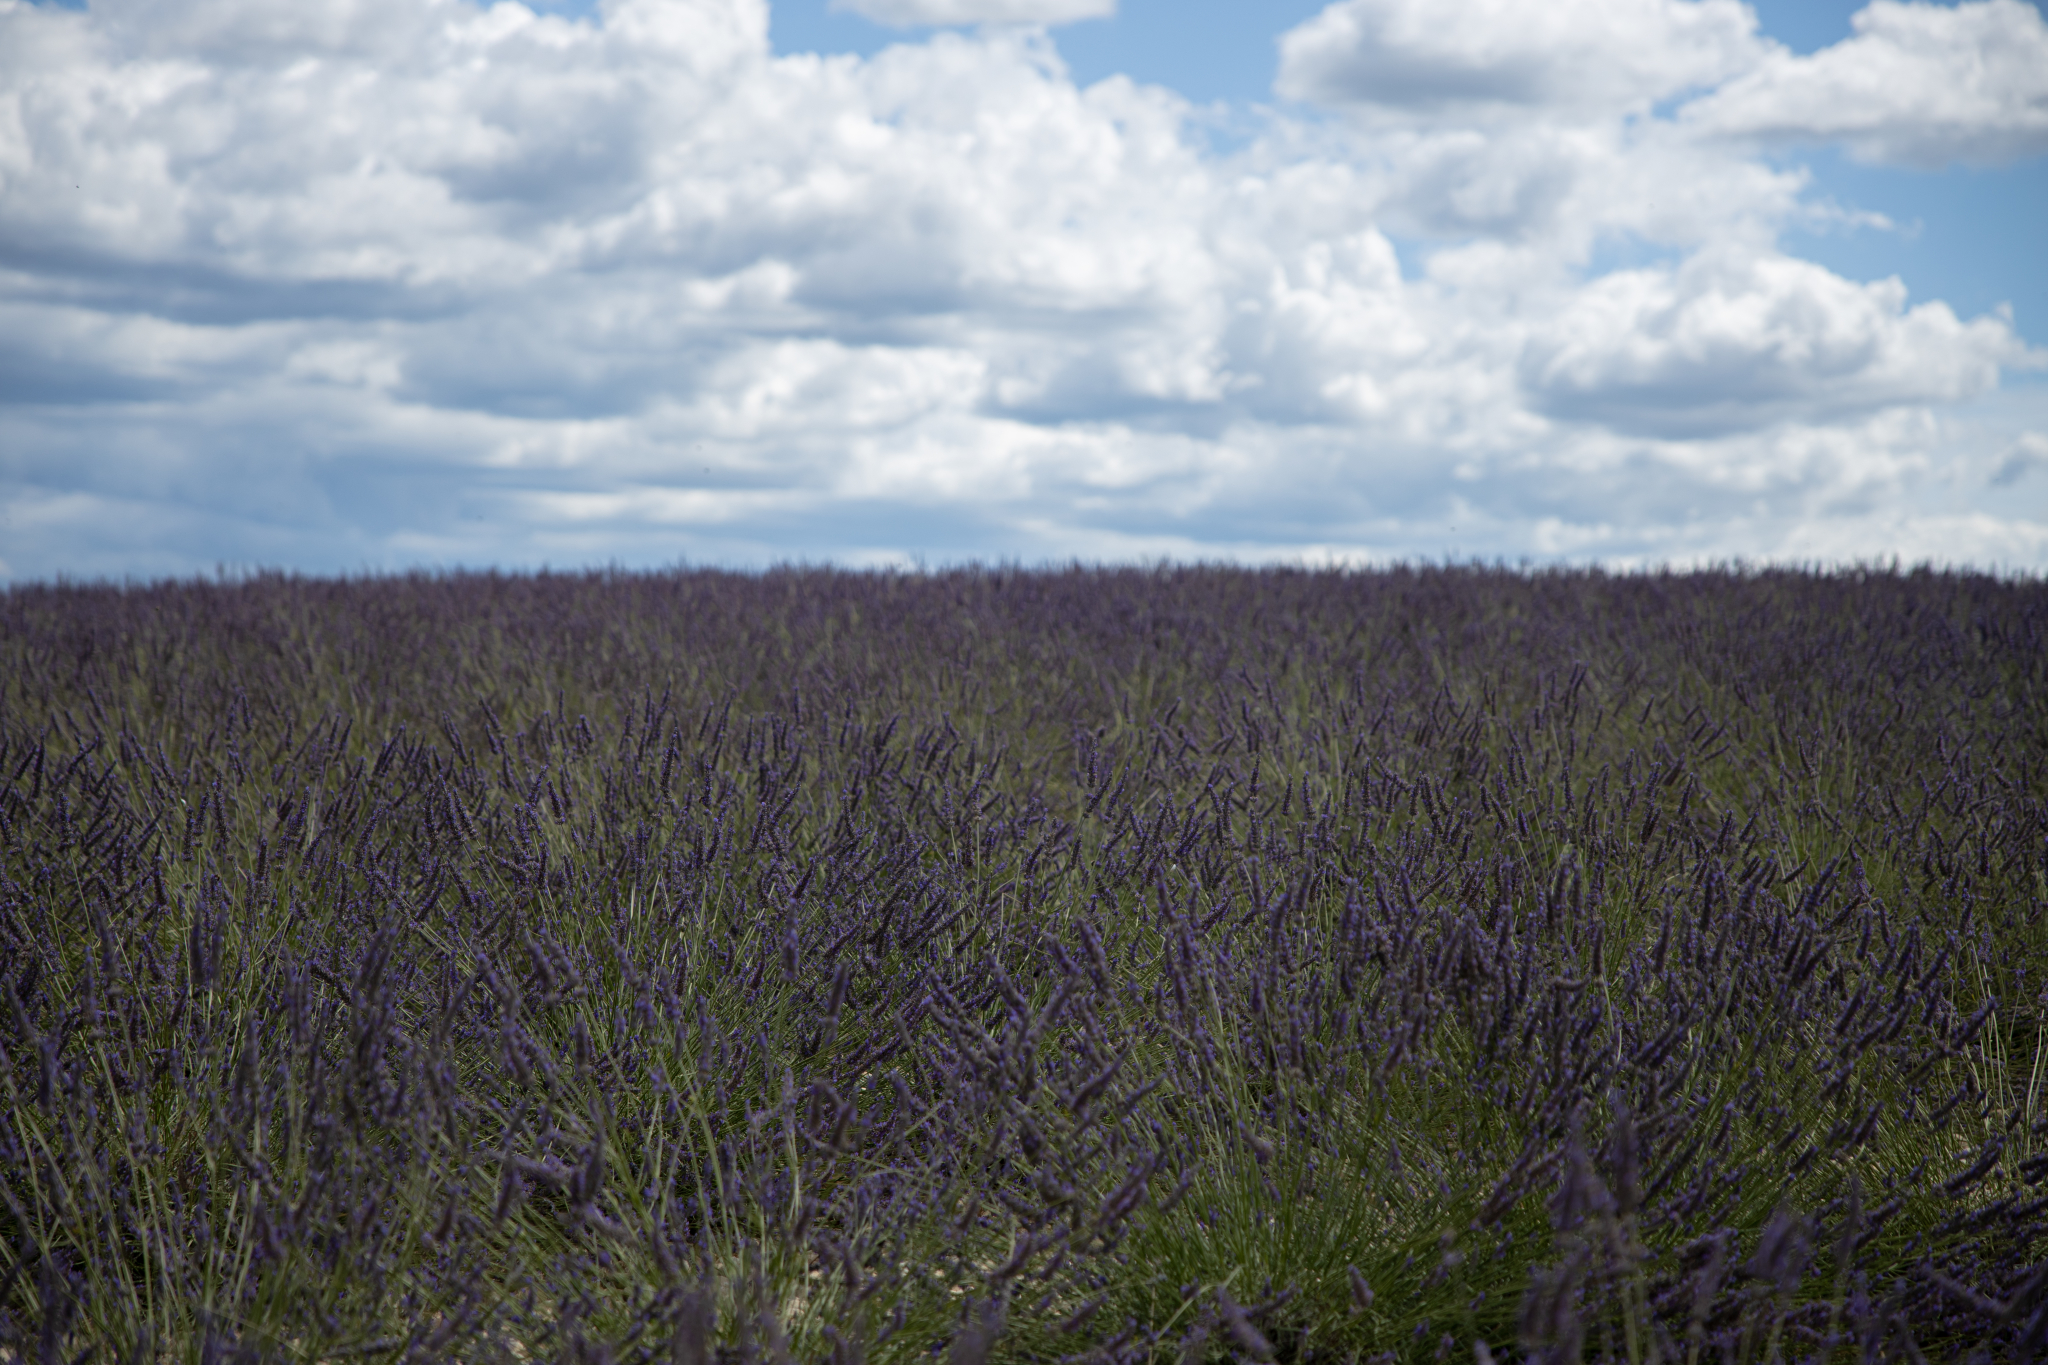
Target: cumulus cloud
392,281
1918,84
1430,57
914,13
1734,344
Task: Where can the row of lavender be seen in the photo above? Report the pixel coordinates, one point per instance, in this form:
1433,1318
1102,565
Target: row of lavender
1107,966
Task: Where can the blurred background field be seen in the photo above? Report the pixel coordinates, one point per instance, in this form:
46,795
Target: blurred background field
1173,965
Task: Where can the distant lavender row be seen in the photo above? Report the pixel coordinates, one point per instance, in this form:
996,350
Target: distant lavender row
1075,966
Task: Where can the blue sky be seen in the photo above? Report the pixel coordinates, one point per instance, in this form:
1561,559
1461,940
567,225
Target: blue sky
386,283
1966,234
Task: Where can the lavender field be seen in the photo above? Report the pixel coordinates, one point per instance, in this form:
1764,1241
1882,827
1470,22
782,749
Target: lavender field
1176,965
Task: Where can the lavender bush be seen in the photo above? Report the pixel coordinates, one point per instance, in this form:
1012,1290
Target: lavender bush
1092,966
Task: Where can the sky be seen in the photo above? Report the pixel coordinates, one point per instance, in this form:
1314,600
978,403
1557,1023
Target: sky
371,285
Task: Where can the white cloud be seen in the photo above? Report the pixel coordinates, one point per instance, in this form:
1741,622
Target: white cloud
913,13
1918,84
1736,344
1432,57
413,279
242,31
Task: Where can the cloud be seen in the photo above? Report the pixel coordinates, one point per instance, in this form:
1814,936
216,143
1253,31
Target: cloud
1494,57
245,31
915,13
1918,85
2028,453
414,280
1727,345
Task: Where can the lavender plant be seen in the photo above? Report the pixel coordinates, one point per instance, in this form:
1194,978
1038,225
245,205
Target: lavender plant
1110,966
